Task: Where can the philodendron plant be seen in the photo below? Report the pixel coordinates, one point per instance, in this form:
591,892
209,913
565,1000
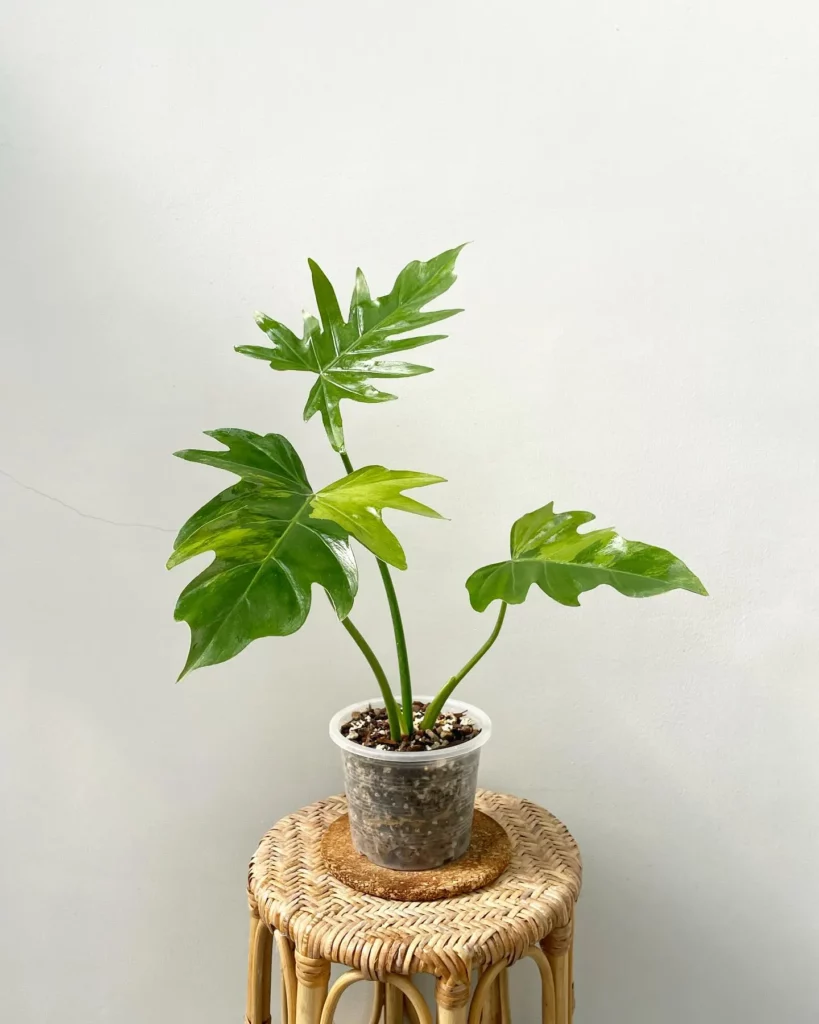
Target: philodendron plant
274,534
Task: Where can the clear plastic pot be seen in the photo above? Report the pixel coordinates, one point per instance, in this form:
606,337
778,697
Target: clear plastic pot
411,811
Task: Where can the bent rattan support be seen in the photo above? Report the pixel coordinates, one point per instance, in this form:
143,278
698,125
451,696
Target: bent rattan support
259,971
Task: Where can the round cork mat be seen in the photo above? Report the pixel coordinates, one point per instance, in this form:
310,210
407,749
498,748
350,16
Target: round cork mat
486,859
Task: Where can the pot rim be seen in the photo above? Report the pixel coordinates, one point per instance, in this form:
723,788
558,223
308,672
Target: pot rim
411,756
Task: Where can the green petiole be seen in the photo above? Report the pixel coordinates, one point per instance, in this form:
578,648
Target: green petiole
405,711
380,675
436,705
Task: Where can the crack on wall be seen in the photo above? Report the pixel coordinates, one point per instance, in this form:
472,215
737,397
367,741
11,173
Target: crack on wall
79,512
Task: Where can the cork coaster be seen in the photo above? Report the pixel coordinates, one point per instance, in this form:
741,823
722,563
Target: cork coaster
486,859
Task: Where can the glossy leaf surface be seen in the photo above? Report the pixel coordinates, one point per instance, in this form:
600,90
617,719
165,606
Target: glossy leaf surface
273,537
269,550
547,550
346,355
356,501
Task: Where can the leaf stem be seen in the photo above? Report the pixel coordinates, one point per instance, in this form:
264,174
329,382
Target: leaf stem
398,631
435,706
400,647
380,675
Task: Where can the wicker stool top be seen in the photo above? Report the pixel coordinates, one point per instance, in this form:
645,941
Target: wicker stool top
293,893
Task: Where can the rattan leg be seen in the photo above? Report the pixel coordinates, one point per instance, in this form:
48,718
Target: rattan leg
259,969
547,985
394,1005
505,1016
488,1001
491,1009
560,973
379,999
557,948
571,980
452,1001
497,1007
288,979
452,1014
313,978
410,1013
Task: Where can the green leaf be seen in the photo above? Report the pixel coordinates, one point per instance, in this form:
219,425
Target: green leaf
548,551
346,355
269,550
355,502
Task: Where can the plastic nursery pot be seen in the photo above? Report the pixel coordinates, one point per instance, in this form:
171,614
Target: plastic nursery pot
411,811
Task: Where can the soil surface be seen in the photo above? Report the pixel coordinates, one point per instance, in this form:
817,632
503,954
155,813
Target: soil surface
371,728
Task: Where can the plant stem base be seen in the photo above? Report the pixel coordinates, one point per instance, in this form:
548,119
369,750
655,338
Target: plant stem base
486,859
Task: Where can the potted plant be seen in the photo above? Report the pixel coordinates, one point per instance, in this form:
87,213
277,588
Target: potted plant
410,762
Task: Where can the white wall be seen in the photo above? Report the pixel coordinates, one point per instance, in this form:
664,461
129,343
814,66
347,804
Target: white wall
640,180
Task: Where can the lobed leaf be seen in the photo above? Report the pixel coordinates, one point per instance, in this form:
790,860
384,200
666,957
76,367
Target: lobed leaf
356,501
273,537
548,551
345,354
268,551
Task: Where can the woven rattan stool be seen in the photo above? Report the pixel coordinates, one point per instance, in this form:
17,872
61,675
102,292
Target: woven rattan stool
318,921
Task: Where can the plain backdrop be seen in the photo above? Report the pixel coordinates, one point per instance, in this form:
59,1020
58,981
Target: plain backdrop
640,183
